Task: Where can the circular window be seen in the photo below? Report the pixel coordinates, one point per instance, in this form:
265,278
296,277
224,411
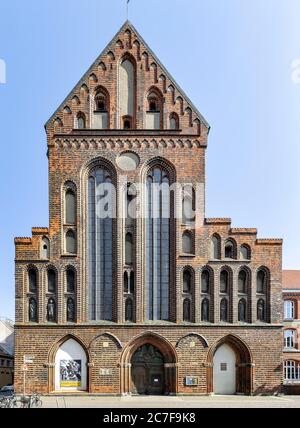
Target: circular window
128,161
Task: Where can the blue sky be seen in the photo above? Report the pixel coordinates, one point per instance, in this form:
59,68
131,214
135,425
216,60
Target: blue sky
232,57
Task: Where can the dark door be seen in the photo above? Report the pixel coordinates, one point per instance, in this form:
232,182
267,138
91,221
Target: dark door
147,371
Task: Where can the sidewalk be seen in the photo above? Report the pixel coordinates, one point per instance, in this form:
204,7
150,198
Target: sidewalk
171,402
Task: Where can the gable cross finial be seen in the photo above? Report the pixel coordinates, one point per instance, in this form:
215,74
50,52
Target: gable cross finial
127,8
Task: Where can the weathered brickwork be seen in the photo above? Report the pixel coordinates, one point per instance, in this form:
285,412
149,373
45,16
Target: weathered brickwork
188,347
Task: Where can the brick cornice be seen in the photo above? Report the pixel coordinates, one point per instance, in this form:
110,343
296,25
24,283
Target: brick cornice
126,143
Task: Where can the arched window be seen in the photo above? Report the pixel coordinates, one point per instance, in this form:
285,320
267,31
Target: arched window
229,250
215,247
205,282
174,121
187,310
158,228
70,207
154,109
289,310
127,122
125,281
101,206
71,310
129,310
128,249
51,281
32,310
187,243
127,93
71,245
70,275
289,339
32,280
205,316
242,282
224,310
245,252
242,310
51,310
291,371
187,281
261,282
81,122
45,248
100,102
100,118
261,312
132,283
130,204
224,282
188,205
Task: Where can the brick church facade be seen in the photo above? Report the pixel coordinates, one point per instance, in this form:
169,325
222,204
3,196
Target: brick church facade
139,302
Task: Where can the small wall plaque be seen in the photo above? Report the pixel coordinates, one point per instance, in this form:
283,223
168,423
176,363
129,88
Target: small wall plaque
105,372
191,381
105,345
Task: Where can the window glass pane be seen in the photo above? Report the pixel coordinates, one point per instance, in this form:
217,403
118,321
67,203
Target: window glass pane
157,244
100,247
187,246
129,249
129,310
242,310
71,242
242,282
32,277
205,282
215,248
70,207
261,282
187,282
51,281
289,310
187,310
224,310
224,282
70,281
205,310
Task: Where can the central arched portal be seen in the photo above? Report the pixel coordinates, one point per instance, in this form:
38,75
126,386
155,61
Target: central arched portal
149,366
147,371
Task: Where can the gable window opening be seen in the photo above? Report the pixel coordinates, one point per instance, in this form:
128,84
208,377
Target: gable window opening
127,122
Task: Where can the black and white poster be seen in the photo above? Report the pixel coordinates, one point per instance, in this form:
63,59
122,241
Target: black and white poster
70,373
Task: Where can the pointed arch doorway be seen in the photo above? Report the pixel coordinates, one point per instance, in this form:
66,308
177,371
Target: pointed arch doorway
149,366
147,371
230,367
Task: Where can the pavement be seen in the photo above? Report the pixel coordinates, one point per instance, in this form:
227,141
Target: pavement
170,402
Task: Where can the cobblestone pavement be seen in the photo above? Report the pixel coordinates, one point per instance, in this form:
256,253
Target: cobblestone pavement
171,402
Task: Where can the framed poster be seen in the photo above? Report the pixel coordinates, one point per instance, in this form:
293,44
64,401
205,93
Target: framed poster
191,381
70,373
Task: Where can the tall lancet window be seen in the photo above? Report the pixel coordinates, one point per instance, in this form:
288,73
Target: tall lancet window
127,94
158,244
101,204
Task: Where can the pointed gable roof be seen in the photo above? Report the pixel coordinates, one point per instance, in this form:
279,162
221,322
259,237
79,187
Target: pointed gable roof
110,47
